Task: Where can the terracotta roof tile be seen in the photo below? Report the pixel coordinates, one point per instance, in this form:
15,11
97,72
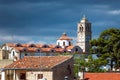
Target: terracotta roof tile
33,49
102,76
52,46
69,47
20,48
46,49
11,44
59,50
39,45
25,45
37,62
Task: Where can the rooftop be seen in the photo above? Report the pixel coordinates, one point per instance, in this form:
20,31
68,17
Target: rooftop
37,62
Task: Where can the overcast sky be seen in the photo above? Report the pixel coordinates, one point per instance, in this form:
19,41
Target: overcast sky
44,21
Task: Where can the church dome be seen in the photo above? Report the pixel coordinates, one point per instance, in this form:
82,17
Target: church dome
64,37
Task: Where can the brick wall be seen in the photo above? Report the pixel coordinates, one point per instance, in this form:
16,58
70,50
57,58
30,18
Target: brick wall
102,76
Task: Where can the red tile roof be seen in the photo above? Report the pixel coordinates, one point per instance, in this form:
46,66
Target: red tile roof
59,50
52,46
11,44
69,47
102,76
37,62
33,49
25,45
39,45
64,37
46,49
20,48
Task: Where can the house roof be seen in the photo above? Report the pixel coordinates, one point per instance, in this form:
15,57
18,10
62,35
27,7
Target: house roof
59,50
102,76
33,49
64,37
70,47
37,62
11,44
20,48
39,48
46,49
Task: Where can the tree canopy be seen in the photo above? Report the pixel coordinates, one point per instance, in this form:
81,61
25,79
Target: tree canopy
108,43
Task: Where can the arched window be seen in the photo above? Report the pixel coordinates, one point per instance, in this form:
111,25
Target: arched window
76,49
82,28
52,50
18,45
13,53
63,43
69,43
26,54
45,46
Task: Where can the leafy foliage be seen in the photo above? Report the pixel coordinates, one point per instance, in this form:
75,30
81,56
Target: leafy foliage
108,43
88,62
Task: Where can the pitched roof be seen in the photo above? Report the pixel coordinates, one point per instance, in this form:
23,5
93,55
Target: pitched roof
20,48
39,45
46,49
102,76
70,47
64,37
59,50
25,45
37,62
11,44
33,49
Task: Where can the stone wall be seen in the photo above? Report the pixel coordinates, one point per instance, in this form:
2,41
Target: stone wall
33,75
63,70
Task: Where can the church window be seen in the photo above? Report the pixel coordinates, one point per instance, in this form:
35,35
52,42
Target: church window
13,53
69,43
52,50
76,49
26,54
82,28
63,43
45,46
18,45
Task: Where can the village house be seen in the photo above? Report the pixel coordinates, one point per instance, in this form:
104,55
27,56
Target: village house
40,68
16,51
25,57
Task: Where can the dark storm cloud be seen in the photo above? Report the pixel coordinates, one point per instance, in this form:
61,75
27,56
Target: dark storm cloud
53,17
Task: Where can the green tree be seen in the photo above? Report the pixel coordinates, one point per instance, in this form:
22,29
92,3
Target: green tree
108,43
88,62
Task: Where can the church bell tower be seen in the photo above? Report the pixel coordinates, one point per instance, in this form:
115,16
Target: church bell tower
84,34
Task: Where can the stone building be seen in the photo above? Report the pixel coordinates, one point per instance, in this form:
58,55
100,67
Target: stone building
84,34
16,51
40,68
